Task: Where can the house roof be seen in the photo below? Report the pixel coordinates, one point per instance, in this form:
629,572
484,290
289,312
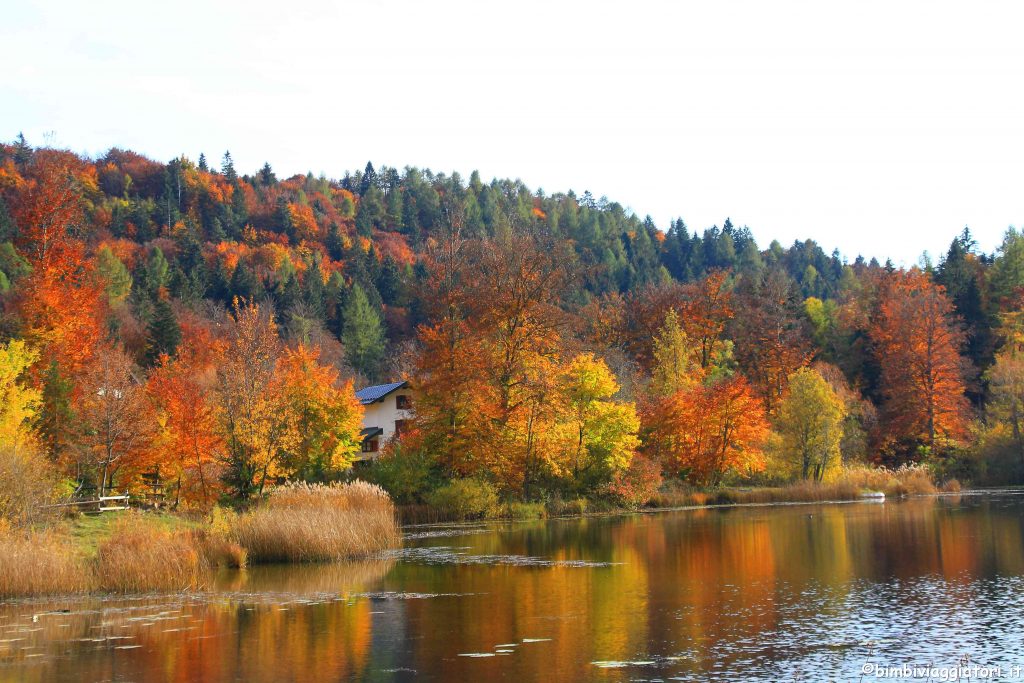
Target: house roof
377,392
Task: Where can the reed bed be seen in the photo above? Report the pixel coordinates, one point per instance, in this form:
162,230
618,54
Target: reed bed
143,557
316,522
40,563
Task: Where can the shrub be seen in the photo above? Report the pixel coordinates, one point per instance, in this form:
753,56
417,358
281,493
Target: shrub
638,484
27,484
951,486
312,522
406,476
142,557
466,499
520,510
560,508
39,563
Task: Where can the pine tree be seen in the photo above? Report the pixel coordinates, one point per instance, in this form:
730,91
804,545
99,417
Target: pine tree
163,334
227,168
266,175
202,163
245,284
369,179
361,332
313,288
334,243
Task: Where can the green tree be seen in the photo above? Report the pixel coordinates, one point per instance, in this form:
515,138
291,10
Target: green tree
116,276
163,334
361,332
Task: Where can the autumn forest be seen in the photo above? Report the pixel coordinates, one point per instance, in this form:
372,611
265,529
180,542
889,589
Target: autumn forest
213,323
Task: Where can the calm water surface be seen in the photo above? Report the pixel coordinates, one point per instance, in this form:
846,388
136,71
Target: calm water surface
804,592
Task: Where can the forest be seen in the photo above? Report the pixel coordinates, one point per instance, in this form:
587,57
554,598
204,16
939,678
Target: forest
213,325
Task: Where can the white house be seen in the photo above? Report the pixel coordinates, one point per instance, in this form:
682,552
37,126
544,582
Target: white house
388,409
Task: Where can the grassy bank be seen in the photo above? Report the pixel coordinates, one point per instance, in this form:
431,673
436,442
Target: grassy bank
467,501
136,552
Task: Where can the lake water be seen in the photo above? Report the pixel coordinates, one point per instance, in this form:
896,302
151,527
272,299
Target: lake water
796,592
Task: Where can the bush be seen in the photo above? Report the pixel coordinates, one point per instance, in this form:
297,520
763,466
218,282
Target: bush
564,508
466,499
313,522
27,484
519,510
637,485
142,557
406,476
40,563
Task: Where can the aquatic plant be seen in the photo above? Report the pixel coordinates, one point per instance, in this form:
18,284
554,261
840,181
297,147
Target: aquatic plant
313,522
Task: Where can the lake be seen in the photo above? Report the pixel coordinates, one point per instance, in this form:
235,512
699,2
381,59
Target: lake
792,592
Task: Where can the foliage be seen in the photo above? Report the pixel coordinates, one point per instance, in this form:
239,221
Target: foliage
810,422
917,342
18,400
466,498
637,485
406,474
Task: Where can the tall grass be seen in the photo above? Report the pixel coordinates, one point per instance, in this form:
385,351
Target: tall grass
40,563
142,557
314,522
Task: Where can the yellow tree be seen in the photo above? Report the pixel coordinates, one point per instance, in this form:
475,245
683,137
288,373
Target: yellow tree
602,431
810,422
1006,379
253,411
676,359
18,402
323,414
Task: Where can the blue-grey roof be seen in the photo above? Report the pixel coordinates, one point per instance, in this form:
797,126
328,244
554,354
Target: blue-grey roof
377,392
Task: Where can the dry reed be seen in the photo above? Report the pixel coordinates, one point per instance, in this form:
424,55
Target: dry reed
315,522
141,557
40,563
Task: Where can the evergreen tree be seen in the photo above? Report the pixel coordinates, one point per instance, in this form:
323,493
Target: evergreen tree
362,334
266,176
313,288
22,150
369,179
202,163
245,284
227,168
56,423
335,243
163,334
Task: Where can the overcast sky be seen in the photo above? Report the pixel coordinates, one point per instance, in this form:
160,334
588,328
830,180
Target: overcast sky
880,128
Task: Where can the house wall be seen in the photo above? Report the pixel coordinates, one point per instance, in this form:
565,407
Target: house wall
385,412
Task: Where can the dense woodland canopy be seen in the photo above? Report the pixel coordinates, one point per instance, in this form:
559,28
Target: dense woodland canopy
214,323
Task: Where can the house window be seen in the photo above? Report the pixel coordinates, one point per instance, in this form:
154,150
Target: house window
370,446
400,427
402,402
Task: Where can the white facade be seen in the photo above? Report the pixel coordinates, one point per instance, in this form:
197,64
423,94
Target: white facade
384,416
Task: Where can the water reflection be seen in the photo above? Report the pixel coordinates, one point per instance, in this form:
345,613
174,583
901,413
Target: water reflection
796,592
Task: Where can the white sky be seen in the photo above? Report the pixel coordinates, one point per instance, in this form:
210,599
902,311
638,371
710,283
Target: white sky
877,127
